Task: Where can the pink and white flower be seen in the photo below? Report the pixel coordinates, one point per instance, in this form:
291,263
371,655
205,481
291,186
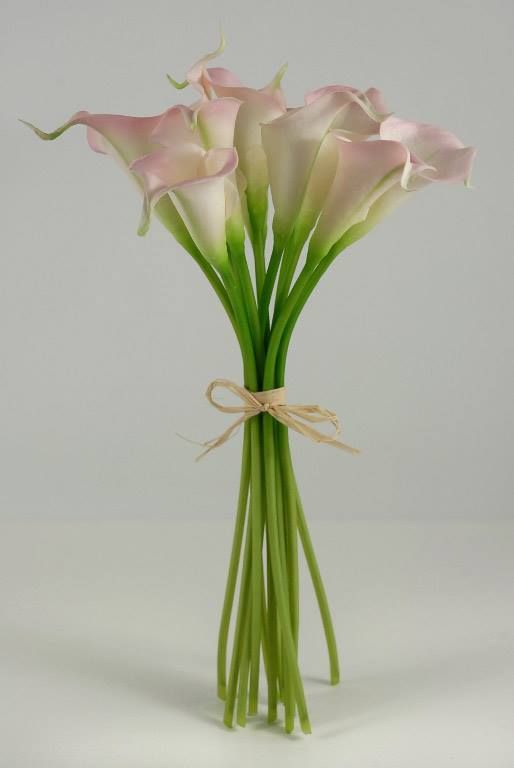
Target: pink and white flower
335,166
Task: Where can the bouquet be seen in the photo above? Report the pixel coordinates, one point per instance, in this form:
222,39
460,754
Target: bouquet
333,167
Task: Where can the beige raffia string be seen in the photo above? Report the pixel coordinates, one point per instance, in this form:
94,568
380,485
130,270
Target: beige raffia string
273,402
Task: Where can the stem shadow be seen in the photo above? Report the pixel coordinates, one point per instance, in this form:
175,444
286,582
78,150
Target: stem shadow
140,675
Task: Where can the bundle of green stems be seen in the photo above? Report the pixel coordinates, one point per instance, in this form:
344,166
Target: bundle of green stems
270,520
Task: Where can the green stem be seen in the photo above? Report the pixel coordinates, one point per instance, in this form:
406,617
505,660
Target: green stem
242,696
279,325
290,521
242,284
267,288
241,620
256,502
288,268
278,574
258,255
245,335
216,282
319,589
310,279
275,366
282,675
235,557
272,638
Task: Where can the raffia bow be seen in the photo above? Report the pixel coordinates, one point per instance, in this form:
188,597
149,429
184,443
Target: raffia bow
273,402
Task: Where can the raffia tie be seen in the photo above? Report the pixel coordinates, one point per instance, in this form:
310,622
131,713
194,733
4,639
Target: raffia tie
273,402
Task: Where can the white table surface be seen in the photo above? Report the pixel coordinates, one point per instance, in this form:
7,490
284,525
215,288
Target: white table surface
108,639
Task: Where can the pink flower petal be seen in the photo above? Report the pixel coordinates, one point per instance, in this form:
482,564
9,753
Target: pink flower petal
216,122
126,137
292,143
445,157
195,180
365,171
175,126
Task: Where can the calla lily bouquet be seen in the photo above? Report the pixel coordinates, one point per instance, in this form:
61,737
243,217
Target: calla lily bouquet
334,166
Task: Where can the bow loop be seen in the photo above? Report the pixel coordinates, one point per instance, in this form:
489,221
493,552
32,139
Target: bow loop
273,402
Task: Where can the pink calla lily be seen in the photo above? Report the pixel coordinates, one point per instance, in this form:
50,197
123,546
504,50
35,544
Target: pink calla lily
196,181
373,178
126,138
203,168
186,134
257,106
209,124
292,143
335,167
444,156
365,171
120,135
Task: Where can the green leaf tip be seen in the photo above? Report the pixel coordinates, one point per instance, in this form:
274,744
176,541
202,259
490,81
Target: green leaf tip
42,134
279,76
176,84
181,84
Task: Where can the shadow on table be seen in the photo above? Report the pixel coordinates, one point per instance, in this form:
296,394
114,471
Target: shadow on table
357,701
353,704
152,677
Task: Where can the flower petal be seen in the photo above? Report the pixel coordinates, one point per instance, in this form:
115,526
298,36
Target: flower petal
216,121
445,157
256,107
195,181
365,171
292,142
360,119
384,204
199,76
177,125
222,77
196,74
126,137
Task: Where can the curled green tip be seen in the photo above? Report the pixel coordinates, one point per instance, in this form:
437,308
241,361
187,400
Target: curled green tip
42,134
176,84
180,85
144,222
223,43
279,76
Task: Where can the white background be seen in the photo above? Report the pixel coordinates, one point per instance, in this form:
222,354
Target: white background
109,340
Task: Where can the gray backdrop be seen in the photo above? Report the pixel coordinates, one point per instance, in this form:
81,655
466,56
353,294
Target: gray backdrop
108,340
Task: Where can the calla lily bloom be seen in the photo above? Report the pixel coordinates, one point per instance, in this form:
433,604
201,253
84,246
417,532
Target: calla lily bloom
292,144
127,139
256,106
120,135
210,124
445,157
373,178
335,167
365,171
196,180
